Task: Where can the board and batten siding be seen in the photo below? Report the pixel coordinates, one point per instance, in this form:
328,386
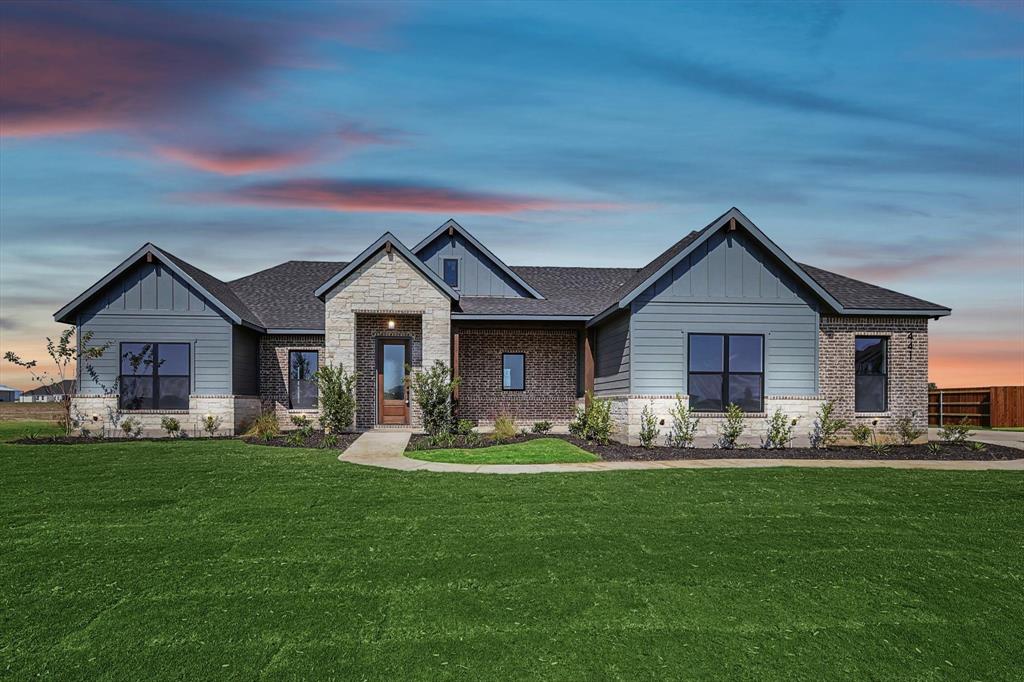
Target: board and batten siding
611,356
149,303
728,285
478,275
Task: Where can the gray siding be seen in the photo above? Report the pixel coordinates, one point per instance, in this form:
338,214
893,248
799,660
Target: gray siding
729,286
478,275
245,362
150,303
611,356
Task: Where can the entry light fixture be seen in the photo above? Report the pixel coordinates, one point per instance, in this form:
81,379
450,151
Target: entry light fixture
391,324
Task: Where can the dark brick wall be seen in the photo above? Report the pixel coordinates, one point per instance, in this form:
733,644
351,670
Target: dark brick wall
274,369
369,328
551,368
907,366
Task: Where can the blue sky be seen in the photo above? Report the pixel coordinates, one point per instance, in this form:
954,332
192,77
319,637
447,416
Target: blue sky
884,141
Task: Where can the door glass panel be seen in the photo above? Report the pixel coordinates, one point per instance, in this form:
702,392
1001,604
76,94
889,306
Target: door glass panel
394,372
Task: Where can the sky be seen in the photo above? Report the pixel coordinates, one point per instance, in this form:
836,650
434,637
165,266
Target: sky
884,141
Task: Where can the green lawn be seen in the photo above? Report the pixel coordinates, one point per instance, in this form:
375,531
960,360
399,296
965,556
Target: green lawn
194,560
14,429
539,451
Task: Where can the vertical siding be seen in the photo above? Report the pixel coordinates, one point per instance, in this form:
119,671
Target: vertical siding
149,303
612,356
729,285
478,274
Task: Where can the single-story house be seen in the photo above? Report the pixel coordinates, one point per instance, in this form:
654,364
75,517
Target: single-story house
722,316
8,394
50,393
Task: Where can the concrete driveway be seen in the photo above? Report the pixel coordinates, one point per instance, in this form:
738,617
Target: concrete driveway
1011,439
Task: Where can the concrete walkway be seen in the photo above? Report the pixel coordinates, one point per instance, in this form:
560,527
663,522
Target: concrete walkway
387,450
1011,439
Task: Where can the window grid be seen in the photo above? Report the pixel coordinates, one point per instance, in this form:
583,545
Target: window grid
725,373
156,400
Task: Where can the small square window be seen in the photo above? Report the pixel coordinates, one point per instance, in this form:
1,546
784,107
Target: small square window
513,371
451,272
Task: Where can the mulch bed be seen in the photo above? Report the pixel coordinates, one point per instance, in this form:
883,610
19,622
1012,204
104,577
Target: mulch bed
616,452
314,441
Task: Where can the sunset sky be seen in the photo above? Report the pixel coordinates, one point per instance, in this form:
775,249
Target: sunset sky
883,141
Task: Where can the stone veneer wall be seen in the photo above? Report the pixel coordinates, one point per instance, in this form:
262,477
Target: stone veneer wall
550,374
907,366
387,285
100,413
273,353
369,328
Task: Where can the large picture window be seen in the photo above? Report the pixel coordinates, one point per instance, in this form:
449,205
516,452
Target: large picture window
302,391
726,368
155,376
871,361
513,371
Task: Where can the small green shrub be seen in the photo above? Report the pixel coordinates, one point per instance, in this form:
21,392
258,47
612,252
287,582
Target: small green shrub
131,427
649,430
296,438
731,428
879,447
906,431
463,427
171,425
86,432
329,441
542,427
211,424
975,446
780,431
684,425
827,427
860,433
303,426
504,428
432,389
957,434
593,421
337,397
265,427
934,448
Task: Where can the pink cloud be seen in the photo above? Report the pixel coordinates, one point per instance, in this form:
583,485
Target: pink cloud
391,197
237,161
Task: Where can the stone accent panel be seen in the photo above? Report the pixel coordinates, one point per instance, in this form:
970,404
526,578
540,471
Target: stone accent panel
386,285
274,351
100,413
907,367
550,374
369,328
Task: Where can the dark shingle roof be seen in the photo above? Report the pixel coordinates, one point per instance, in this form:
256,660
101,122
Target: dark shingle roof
852,293
283,296
220,290
56,388
566,291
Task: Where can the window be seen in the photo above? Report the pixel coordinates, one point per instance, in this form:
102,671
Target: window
302,365
726,368
513,371
155,376
451,272
872,382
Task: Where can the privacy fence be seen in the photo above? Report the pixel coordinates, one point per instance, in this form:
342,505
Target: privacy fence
993,406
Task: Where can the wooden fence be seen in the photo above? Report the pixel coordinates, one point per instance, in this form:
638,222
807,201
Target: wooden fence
993,406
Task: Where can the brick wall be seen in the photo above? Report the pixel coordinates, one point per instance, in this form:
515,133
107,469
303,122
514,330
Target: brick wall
369,328
550,373
907,366
274,369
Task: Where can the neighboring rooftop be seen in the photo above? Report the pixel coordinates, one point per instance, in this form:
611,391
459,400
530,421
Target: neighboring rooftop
56,388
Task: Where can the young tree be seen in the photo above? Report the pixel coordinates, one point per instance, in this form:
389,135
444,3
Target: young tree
69,358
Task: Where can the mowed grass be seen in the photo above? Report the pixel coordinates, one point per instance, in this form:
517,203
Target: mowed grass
191,560
538,451
21,428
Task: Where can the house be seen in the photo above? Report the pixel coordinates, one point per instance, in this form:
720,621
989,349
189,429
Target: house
8,394
50,393
722,316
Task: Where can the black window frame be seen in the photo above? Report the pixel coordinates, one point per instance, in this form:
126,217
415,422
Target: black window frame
725,372
153,374
505,355
316,398
884,374
458,273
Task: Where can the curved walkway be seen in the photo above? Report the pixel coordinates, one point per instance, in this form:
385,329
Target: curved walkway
387,450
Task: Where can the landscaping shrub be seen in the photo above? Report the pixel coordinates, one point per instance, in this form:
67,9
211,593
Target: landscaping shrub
861,434
303,426
780,431
906,431
731,428
336,390
504,428
211,424
131,427
934,448
329,440
684,425
265,427
432,389
541,427
593,421
975,446
463,427
648,427
171,425
957,434
826,427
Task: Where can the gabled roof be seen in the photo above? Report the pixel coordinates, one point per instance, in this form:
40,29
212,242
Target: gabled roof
569,292
451,225
213,289
383,242
664,262
282,296
857,295
56,388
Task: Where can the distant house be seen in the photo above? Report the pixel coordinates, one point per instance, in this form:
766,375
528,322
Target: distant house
51,393
8,394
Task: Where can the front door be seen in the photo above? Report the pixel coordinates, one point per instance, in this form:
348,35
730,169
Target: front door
392,403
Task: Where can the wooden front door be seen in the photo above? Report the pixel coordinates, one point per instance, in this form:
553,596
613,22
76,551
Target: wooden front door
392,394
